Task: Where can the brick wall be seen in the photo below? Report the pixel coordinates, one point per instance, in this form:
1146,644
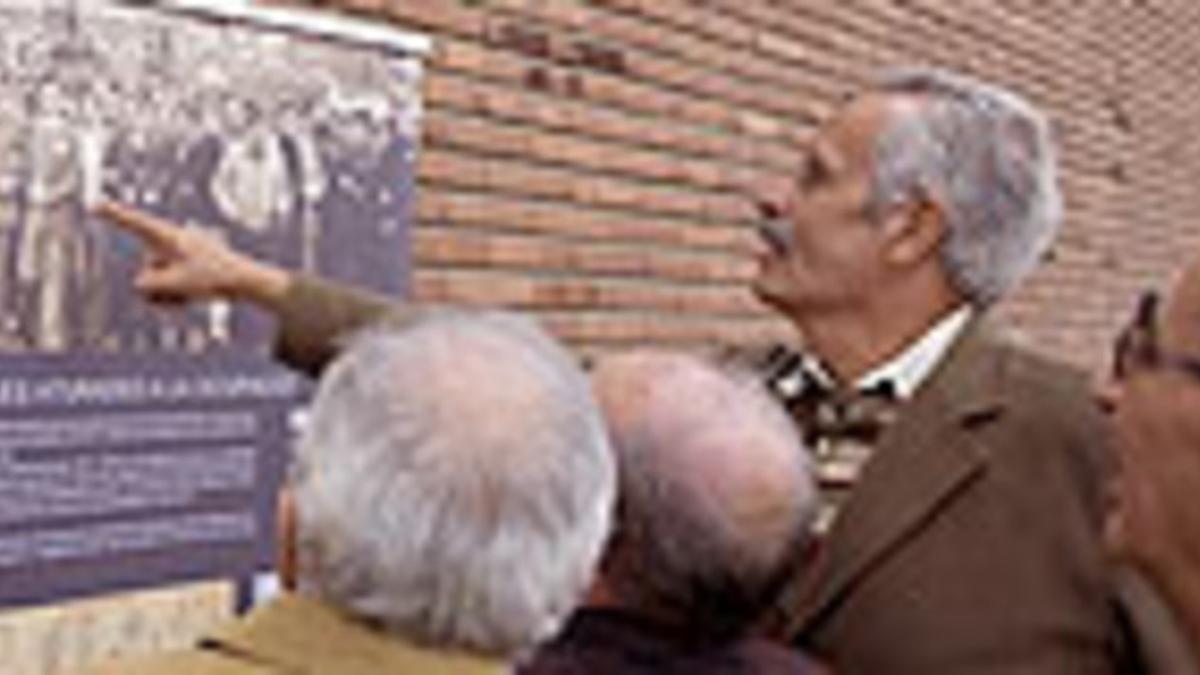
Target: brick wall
585,159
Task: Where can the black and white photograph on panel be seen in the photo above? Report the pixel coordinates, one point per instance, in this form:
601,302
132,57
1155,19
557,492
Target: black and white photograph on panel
142,444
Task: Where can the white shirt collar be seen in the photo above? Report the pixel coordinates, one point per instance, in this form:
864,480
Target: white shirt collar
909,369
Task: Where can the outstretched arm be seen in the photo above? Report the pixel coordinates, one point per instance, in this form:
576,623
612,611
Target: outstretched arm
185,265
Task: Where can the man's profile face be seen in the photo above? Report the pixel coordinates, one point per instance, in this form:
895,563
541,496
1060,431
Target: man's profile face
822,252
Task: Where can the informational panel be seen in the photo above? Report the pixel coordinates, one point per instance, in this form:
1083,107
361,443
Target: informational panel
139,445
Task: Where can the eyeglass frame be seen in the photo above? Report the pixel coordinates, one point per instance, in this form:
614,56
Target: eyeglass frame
1137,348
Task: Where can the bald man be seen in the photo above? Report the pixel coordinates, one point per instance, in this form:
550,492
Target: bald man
716,498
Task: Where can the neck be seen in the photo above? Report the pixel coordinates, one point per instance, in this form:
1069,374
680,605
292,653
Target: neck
850,344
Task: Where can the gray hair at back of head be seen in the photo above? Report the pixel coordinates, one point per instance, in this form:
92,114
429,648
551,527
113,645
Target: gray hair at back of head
987,156
455,485
707,556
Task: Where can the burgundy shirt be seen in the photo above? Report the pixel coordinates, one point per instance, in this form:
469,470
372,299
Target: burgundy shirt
611,641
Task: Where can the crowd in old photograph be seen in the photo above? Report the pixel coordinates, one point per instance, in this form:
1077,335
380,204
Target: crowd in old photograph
261,142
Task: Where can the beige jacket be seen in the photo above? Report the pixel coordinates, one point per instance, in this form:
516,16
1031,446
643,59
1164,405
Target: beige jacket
298,636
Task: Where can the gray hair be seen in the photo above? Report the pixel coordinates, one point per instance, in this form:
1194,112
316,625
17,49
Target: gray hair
455,485
717,493
987,156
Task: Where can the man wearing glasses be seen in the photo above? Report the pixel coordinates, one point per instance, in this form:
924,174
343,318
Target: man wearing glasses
1153,399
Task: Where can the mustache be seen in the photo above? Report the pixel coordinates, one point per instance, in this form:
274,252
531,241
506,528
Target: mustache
776,232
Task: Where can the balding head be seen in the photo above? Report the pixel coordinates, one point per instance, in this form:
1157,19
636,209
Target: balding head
716,491
1181,325
456,484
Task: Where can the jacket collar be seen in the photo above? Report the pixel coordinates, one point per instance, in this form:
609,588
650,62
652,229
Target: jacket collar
909,369
931,453
298,634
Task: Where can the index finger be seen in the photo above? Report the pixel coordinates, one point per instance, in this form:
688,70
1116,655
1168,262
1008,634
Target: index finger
151,229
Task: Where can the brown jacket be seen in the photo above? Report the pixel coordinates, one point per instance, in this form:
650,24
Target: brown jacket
298,636
971,543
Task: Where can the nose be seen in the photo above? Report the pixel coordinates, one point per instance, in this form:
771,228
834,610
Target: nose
766,198
767,207
768,217
1106,392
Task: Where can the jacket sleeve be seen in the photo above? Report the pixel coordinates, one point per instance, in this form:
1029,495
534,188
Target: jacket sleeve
316,315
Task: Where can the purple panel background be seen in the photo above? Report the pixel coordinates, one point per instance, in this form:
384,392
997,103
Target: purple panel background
115,387
179,124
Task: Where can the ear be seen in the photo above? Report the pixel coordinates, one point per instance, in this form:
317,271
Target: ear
285,539
913,232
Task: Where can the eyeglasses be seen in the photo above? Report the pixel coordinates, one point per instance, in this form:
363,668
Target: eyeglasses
1137,348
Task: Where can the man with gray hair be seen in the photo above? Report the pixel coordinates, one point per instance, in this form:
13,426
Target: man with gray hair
716,497
963,473
447,508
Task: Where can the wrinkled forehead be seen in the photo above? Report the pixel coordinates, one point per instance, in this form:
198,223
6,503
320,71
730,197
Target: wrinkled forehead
848,138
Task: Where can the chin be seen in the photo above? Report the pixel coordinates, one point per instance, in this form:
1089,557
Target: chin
769,296
787,304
